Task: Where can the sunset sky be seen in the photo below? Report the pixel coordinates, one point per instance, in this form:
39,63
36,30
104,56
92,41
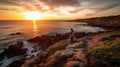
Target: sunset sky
58,9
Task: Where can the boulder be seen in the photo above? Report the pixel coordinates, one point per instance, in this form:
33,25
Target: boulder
17,63
73,64
13,50
18,33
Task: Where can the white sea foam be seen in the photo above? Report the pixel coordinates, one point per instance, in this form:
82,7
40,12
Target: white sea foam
6,61
33,49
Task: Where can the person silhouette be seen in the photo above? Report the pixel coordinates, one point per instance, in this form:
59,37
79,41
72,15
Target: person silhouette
72,36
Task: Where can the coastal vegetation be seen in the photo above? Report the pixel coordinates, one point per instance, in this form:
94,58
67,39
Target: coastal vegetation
107,53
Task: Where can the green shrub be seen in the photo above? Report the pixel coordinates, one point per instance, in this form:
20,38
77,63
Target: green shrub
106,55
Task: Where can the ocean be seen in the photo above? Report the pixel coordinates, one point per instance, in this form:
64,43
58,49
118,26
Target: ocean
30,29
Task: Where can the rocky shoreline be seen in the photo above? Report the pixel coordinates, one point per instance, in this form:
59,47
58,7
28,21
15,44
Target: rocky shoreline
52,46
64,54
57,50
108,22
44,42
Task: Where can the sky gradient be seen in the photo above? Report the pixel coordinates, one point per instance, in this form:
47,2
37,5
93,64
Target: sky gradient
58,9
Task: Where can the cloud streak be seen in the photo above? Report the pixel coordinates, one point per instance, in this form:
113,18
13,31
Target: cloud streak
98,10
53,6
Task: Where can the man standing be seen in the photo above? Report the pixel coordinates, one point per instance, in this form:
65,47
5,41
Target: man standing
72,36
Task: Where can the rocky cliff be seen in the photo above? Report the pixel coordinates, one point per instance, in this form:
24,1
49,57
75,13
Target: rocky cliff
110,21
85,52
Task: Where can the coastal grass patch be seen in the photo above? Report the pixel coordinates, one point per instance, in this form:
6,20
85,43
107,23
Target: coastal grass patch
107,54
107,34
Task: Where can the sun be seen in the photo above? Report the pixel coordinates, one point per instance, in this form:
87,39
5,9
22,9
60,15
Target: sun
33,16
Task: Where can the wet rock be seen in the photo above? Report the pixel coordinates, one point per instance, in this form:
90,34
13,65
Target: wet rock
73,64
46,40
78,56
77,45
68,52
80,34
89,34
12,34
18,33
59,58
17,63
46,62
58,46
31,62
53,59
13,50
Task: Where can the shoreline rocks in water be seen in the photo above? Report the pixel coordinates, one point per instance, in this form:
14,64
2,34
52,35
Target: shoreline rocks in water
47,40
13,50
12,53
51,44
63,54
18,53
18,33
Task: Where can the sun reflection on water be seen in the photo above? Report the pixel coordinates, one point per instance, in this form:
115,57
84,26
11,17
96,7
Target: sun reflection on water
35,28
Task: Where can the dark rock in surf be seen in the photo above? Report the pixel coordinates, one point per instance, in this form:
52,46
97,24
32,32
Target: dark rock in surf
17,63
18,33
13,50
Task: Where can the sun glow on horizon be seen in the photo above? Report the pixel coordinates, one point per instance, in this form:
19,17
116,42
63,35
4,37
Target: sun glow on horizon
33,16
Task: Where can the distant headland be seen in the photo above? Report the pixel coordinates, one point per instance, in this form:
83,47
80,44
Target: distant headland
108,21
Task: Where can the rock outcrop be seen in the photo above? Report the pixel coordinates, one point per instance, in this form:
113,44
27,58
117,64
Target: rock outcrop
13,50
107,22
